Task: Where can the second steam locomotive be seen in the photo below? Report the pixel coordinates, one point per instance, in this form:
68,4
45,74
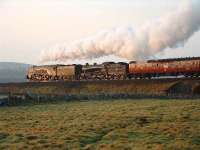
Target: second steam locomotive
188,67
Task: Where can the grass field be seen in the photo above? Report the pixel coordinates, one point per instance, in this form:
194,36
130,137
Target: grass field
118,124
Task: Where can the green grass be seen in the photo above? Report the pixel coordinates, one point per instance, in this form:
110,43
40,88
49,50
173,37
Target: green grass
114,124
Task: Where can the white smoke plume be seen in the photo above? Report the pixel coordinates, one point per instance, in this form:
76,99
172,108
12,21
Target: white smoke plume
171,30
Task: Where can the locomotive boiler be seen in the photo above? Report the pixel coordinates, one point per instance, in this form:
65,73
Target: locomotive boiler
187,67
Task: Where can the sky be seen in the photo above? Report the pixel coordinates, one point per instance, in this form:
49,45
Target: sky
29,26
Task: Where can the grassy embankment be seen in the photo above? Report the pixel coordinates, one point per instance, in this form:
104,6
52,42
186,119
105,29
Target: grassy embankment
120,124
53,92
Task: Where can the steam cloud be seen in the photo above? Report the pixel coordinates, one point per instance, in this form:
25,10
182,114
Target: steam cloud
171,30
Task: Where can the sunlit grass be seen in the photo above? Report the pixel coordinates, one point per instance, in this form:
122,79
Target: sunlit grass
114,124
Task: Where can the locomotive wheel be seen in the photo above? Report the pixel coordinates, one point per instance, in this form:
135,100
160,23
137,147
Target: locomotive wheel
97,78
43,78
112,77
119,77
47,77
55,78
39,78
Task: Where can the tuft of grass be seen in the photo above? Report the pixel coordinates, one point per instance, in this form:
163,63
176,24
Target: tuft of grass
134,136
160,138
196,140
3,135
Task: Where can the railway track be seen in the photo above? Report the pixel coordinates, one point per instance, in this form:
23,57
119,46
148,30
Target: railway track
101,81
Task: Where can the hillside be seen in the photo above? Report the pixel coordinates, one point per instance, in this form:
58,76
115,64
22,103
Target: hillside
12,72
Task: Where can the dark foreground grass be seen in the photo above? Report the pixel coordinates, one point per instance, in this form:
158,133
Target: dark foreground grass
120,124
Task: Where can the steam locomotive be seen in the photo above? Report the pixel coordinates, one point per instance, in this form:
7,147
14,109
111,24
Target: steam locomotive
188,67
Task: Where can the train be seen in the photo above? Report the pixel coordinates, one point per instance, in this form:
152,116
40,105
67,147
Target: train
187,67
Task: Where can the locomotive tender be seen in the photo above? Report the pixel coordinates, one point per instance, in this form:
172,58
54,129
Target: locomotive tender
188,67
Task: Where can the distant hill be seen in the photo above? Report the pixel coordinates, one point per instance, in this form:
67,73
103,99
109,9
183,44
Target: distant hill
13,72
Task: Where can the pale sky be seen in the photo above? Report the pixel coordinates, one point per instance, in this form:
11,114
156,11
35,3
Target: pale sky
29,26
